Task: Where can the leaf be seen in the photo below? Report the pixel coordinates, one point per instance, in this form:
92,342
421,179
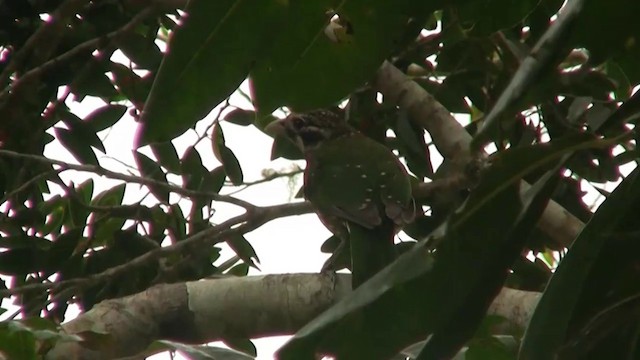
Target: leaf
150,169
78,213
105,117
16,342
242,247
133,87
216,179
202,66
178,224
93,81
141,50
62,248
548,327
22,261
449,337
417,151
239,270
110,197
241,117
543,56
82,130
226,156
315,68
200,352
76,145
244,345
605,28
192,169
167,155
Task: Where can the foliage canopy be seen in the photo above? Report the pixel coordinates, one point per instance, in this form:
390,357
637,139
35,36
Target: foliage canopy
549,89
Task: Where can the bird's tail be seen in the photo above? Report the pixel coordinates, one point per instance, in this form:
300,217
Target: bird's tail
371,250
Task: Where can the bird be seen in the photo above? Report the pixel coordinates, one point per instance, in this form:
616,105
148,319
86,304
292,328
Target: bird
359,188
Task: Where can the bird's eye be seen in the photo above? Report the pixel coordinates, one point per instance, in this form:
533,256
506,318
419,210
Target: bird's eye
298,123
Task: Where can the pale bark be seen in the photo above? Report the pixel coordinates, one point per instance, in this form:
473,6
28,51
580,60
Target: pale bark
211,310
453,141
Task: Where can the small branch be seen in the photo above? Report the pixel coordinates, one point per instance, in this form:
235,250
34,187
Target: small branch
129,178
234,226
268,178
275,175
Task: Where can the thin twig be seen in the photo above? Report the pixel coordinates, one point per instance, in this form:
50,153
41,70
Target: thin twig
246,185
240,224
130,178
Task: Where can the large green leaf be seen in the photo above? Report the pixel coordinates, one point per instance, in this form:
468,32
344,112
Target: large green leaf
228,159
548,328
209,56
315,64
422,293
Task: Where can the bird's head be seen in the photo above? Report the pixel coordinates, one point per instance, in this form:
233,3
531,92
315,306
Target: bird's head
309,130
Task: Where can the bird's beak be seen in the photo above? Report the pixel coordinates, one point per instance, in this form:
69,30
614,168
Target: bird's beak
276,128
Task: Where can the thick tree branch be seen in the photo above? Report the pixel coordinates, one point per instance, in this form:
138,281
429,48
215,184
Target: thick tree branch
204,311
453,141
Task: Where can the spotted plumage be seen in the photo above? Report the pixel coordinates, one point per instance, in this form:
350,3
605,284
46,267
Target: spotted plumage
355,181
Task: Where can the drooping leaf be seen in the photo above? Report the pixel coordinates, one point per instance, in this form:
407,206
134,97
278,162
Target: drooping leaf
226,156
325,60
246,346
167,155
105,117
81,129
241,269
110,197
241,246
150,169
241,117
76,145
201,68
201,352
192,169
140,49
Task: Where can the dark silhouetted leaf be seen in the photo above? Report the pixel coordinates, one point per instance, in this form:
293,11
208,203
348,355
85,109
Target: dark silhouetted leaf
241,117
166,154
226,156
243,249
76,145
150,169
105,117
201,69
